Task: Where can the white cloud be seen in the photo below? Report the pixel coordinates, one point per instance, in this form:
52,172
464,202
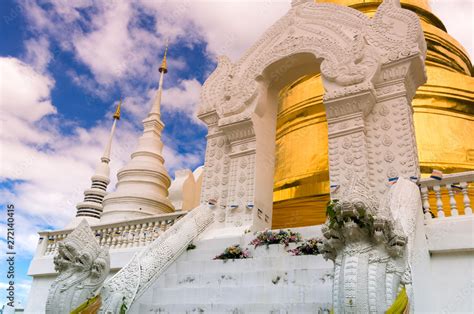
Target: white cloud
37,53
30,102
228,27
112,51
137,107
175,161
183,97
112,42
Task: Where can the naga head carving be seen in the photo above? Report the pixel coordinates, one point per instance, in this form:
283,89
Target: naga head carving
82,265
65,258
100,267
358,216
83,261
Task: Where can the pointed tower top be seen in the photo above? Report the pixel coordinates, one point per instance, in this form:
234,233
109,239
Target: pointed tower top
142,186
164,67
91,207
117,111
106,156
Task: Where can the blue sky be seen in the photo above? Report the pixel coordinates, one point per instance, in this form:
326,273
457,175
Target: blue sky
64,65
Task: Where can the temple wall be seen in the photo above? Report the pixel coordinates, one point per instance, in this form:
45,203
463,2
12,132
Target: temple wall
452,282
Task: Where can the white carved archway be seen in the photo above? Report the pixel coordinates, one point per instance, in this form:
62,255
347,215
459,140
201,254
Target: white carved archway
370,67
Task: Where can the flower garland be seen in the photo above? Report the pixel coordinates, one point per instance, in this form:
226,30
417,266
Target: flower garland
309,247
268,237
234,252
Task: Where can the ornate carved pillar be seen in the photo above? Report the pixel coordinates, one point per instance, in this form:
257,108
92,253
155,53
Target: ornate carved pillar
216,167
241,187
390,130
371,133
347,142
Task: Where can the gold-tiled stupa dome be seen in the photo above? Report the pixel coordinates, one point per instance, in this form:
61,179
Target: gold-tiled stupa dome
443,115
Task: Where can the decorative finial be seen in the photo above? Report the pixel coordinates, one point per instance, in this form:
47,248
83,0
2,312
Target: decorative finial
117,111
163,67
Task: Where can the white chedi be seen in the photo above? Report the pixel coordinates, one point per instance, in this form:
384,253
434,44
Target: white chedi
142,185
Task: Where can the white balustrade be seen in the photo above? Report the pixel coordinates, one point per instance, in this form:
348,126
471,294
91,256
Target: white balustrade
127,234
466,200
449,186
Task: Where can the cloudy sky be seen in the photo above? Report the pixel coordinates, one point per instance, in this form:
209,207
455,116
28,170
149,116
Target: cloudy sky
64,65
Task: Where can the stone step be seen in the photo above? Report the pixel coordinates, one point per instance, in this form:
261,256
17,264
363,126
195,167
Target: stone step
272,281
203,252
251,264
260,308
243,295
219,242
275,277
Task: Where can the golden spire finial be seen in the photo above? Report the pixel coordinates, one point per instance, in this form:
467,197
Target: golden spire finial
117,111
163,67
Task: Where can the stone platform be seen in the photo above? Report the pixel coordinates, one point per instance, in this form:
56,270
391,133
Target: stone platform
272,281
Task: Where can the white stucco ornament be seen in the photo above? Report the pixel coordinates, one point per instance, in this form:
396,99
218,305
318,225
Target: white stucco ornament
370,243
82,265
370,69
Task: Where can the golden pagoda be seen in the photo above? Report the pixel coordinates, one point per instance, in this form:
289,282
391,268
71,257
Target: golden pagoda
443,115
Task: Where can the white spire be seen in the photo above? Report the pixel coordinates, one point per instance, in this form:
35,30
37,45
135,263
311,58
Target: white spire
106,156
163,69
142,186
91,207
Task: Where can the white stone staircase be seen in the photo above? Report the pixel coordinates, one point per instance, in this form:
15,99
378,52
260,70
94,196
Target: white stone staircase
272,281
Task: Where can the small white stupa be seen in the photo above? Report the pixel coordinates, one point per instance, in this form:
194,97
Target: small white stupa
91,208
142,187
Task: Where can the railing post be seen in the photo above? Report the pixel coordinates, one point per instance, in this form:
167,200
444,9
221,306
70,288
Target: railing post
103,234
131,236
452,201
55,243
49,244
136,240
115,238
156,229
125,235
466,200
426,203
142,235
110,235
439,201
148,232
119,233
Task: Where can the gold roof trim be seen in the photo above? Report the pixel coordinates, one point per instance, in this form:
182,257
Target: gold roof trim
117,110
164,67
